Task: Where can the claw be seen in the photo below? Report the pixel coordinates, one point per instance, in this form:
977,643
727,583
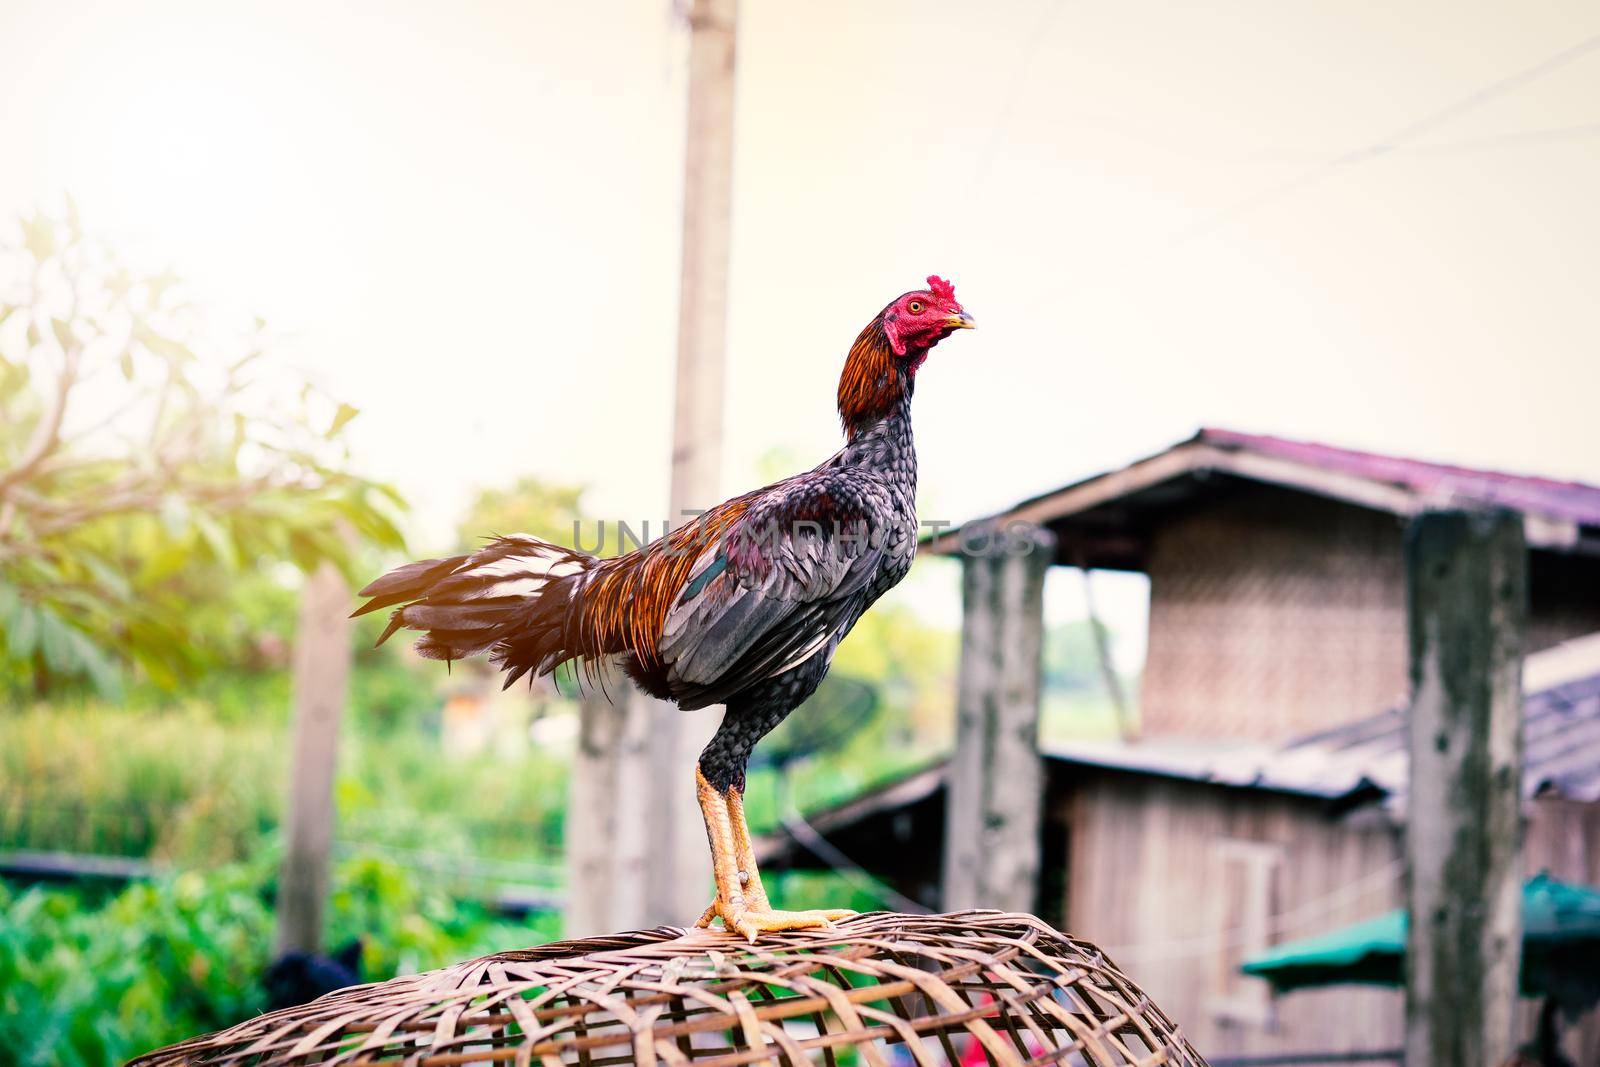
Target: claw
753,922
741,901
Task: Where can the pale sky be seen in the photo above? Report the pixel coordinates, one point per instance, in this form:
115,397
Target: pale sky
463,219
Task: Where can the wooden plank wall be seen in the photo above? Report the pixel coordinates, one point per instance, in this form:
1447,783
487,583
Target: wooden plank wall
1149,880
1156,868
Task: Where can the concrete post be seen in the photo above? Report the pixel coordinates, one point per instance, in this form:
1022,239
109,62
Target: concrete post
607,840
321,683
996,786
678,884
1467,593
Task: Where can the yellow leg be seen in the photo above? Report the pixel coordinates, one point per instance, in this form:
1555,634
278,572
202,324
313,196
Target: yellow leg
741,902
745,852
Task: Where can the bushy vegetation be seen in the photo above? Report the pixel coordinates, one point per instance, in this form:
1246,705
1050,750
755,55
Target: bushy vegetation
89,977
152,460
198,780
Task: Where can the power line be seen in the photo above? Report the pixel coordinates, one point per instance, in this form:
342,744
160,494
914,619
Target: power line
1386,145
1050,11
847,868
1515,139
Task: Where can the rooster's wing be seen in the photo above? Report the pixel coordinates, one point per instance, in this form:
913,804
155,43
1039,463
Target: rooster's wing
780,584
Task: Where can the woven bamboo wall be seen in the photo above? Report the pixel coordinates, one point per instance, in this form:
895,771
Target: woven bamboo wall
1273,613
1149,880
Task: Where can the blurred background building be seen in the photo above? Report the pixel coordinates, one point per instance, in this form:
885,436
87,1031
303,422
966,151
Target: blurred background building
1261,797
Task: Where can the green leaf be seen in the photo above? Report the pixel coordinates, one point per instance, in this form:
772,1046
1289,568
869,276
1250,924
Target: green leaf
93,661
23,632
175,514
55,643
127,365
217,539
342,416
155,666
108,578
161,345
39,235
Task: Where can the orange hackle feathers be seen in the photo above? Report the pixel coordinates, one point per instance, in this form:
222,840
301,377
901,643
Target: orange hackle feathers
625,607
869,386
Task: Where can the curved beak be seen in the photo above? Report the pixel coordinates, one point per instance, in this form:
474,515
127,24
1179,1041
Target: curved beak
961,321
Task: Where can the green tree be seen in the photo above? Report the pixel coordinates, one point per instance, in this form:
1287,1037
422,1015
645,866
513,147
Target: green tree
148,459
531,505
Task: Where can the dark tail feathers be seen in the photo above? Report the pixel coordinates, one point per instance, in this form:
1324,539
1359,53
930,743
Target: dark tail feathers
510,600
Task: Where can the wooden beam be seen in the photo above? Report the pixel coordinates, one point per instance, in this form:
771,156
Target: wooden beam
991,849
1467,594
74,866
321,682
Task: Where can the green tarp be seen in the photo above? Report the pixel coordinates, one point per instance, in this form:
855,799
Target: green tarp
1560,948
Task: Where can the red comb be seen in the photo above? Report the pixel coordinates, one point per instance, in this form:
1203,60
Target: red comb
941,288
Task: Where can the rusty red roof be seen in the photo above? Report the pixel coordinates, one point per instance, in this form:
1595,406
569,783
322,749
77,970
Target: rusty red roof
1101,521
1573,501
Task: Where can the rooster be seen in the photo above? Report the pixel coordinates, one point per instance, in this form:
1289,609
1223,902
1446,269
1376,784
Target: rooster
744,606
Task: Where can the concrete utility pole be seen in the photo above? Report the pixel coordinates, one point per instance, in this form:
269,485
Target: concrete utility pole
1467,593
608,843
321,683
991,847
645,795
678,884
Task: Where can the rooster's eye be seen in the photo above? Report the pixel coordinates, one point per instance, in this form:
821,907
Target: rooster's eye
915,307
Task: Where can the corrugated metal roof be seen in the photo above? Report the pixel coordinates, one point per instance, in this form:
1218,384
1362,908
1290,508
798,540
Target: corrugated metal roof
1102,519
1561,737
1572,501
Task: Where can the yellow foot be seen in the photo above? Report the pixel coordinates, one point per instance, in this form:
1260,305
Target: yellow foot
752,922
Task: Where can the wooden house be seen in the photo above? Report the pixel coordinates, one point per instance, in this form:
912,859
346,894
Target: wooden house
1265,798
1277,592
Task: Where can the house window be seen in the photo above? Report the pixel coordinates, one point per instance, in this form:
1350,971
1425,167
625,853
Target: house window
1246,876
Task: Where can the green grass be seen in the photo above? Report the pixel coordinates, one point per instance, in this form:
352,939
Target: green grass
173,785
199,780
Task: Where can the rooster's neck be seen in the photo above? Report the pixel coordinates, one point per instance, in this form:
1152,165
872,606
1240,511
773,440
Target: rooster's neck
875,407
876,384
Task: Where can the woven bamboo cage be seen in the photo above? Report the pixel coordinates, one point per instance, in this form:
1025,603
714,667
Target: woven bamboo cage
881,989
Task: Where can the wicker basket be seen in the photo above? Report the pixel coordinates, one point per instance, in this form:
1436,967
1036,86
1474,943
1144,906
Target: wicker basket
881,989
